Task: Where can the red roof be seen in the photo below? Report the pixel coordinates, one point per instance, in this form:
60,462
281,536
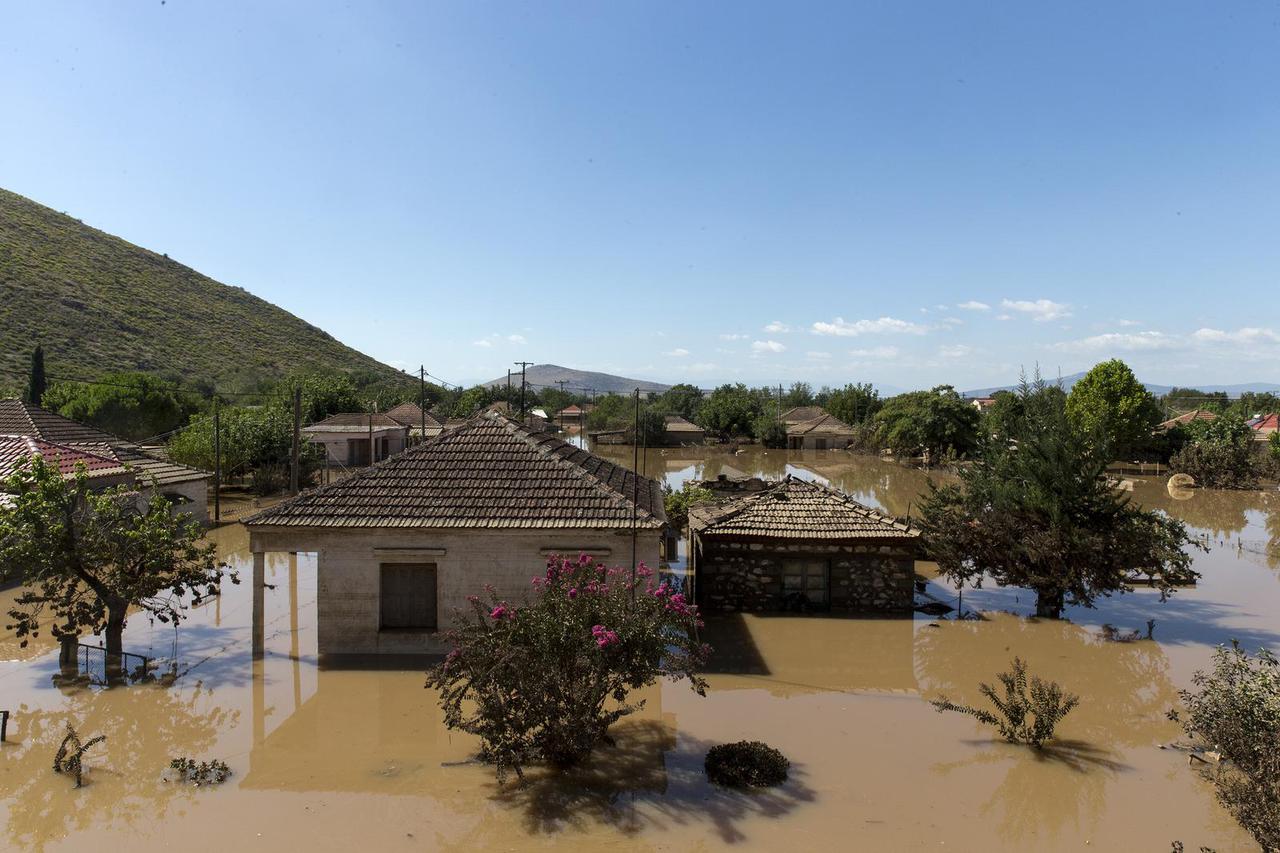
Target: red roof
99,462
1267,423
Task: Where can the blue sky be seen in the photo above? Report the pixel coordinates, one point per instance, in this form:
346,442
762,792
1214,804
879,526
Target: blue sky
894,192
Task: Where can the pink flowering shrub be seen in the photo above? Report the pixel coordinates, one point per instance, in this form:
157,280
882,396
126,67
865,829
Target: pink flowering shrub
544,680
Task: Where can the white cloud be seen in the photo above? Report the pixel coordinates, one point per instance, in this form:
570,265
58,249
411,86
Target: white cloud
516,339
1122,342
952,321
767,346
817,356
1128,323
974,305
777,327
1004,316
941,307
956,351
732,337
875,352
1247,335
678,352
1040,310
483,342
885,325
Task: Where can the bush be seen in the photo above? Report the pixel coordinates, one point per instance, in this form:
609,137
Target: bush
71,752
205,773
746,764
677,503
1023,718
1236,711
769,430
1219,454
544,681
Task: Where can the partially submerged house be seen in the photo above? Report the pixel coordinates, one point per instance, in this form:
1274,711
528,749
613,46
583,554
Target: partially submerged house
826,432
572,414
679,431
356,439
800,414
798,545
402,544
421,424
109,459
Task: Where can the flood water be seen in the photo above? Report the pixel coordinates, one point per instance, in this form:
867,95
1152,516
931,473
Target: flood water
327,758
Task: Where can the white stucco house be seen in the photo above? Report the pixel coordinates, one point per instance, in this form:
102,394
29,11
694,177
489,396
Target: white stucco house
356,439
400,545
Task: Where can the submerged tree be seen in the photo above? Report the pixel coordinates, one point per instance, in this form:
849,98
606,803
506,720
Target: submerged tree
88,556
1028,712
544,681
70,755
1037,509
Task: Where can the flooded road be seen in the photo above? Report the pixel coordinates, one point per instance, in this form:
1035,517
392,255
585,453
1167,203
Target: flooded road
326,758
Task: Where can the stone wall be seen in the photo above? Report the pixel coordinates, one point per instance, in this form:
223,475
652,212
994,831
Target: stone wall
737,575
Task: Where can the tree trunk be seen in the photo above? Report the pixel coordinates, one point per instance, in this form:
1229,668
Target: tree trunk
115,642
1049,603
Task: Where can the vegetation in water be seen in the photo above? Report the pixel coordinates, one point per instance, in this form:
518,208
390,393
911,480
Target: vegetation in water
746,764
89,556
213,772
939,422
1235,710
1029,710
678,502
70,754
1037,509
1218,454
544,680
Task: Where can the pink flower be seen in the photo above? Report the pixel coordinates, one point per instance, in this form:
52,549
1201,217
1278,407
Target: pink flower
573,592
584,559
604,637
500,612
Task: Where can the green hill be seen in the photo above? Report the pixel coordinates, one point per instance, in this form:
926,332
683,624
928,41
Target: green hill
99,305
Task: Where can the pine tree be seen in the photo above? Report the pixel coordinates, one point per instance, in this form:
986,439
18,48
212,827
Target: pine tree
37,384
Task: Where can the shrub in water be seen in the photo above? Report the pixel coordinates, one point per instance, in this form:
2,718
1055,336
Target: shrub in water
71,752
1022,718
205,773
746,764
544,680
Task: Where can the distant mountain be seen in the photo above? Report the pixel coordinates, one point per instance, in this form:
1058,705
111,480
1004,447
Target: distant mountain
99,304
1158,390
580,381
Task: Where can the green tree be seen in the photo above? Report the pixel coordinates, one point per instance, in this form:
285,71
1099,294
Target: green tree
36,383
89,556
799,394
854,403
677,502
1111,404
136,406
250,439
684,400
1040,512
473,400
939,421
731,410
1217,453
768,428
612,411
1189,399
1253,403
323,394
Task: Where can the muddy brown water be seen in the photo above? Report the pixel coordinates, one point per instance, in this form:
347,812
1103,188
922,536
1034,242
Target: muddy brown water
328,758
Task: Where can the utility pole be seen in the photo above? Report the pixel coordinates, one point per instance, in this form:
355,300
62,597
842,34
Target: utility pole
508,385
371,451
422,401
294,460
635,490
523,366
217,463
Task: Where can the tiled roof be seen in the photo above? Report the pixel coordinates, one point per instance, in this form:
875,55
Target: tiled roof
491,472
410,415
675,423
346,421
796,509
822,425
98,462
1266,423
19,418
1188,417
802,413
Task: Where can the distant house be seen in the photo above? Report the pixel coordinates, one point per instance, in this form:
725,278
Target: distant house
402,544
355,439
826,432
109,459
800,414
797,545
421,424
983,403
572,414
1264,426
680,431
1187,418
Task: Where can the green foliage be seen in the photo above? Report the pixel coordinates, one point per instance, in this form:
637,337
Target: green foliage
1273,447
1022,716
684,400
612,411
323,394
545,680
135,406
1036,509
1253,403
205,773
677,503
768,428
1110,404
36,382
799,394
854,404
1218,453
100,305
1235,709
731,410
473,400
1189,399
250,439
746,764
88,556
939,421
70,755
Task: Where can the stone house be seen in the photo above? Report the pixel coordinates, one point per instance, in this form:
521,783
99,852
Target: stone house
680,431
110,460
356,439
400,545
797,545
825,432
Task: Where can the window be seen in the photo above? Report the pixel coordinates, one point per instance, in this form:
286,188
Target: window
408,596
809,578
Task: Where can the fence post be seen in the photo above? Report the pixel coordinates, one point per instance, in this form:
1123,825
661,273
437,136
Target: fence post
4,726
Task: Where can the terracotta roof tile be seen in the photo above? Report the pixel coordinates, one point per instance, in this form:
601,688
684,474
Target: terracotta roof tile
800,414
345,420
99,461
796,509
490,472
822,425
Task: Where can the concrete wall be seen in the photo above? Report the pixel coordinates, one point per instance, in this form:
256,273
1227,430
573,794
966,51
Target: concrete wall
348,574
335,443
735,575
195,491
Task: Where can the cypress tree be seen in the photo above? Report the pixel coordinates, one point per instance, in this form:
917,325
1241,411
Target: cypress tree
36,385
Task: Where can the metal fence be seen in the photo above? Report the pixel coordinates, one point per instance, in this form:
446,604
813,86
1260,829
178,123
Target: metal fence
92,661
